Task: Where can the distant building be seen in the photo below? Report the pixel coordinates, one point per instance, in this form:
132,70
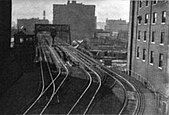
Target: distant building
115,26
101,25
148,49
29,24
123,35
102,34
81,18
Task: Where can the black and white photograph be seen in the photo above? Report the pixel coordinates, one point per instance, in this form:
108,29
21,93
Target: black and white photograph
84,57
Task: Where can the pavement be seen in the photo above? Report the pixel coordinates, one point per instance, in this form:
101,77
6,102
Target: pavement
150,105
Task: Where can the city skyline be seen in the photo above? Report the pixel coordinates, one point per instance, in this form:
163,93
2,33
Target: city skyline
115,9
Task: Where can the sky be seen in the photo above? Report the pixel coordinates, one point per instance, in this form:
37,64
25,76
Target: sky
111,9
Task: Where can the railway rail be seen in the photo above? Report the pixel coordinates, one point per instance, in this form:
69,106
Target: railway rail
97,74
45,89
89,93
116,80
139,99
61,81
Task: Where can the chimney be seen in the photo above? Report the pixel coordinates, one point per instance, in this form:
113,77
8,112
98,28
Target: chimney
44,15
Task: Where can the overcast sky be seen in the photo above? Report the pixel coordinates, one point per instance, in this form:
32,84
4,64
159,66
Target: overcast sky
112,9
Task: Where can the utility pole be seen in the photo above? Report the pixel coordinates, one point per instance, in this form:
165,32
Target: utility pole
53,35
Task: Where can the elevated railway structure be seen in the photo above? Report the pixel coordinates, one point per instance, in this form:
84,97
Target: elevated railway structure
56,60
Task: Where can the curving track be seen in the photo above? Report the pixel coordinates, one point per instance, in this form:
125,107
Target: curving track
84,102
96,74
137,105
89,63
46,88
62,80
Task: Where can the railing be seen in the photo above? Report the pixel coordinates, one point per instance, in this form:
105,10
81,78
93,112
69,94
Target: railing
142,79
139,77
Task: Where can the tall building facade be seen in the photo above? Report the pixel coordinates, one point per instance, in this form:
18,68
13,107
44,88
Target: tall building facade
148,46
29,24
80,17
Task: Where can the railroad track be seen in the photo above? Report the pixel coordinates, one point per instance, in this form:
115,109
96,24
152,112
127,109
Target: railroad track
51,84
59,81
45,90
85,100
66,84
140,104
137,105
42,82
94,71
88,62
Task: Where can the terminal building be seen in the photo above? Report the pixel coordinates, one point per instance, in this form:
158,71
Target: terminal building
148,51
80,17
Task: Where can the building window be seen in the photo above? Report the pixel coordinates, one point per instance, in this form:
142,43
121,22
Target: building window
139,19
144,54
163,16
161,57
153,37
155,2
151,57
146,2
162,37
145,35
139,35
138,52
154,17
140,3
146,18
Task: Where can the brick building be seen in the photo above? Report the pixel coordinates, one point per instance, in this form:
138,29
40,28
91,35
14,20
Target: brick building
115,26
148,51
29,24
81,18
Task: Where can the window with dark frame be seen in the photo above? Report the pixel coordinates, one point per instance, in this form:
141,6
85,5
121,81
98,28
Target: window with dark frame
146,2
153,37
144,54
161,56
162,37
139,35
163,16
151,57
146,18
140,3
139,18
145,35
138,52
155,2
154,17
